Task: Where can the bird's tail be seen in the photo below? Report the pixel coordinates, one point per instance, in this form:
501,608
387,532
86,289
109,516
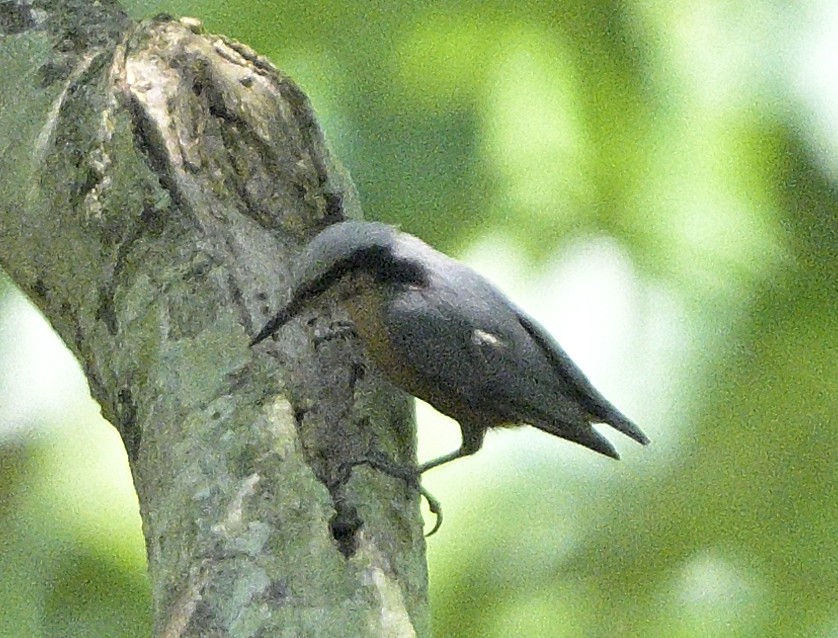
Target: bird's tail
583,434
620,423
577,428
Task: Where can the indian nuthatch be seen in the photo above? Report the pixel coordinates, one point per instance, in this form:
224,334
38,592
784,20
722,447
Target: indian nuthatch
443,333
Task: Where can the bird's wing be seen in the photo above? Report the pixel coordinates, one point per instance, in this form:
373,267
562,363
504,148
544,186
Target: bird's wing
472,347
495,361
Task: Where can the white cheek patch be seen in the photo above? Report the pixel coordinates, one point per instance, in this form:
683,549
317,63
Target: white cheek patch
483,338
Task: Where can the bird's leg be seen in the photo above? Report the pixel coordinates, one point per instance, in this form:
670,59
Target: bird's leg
445,458
472,441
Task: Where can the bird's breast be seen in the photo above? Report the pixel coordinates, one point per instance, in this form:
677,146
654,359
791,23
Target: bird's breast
366,310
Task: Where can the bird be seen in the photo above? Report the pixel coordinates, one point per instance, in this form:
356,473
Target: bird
442,332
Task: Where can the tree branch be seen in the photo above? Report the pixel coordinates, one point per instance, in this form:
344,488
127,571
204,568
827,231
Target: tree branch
157,182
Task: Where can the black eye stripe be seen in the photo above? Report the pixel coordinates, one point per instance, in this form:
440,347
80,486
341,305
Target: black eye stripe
386,268
378,262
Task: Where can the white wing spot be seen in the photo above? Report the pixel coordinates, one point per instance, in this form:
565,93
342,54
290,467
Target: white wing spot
481,337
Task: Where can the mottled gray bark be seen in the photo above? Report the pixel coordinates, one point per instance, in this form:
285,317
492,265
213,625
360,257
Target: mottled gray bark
157,181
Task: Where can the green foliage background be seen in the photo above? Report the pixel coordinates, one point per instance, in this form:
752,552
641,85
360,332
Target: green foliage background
699,141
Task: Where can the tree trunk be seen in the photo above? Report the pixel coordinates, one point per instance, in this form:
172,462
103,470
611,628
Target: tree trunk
157,182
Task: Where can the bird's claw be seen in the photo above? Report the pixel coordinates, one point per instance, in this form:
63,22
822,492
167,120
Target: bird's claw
340,329
413,478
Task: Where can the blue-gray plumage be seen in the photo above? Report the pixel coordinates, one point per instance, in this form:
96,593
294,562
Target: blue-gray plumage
443,333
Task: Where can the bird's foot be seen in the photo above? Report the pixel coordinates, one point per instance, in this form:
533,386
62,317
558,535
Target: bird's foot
335,330
410,476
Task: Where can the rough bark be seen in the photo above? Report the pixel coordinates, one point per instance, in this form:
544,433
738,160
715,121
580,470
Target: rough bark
157,181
